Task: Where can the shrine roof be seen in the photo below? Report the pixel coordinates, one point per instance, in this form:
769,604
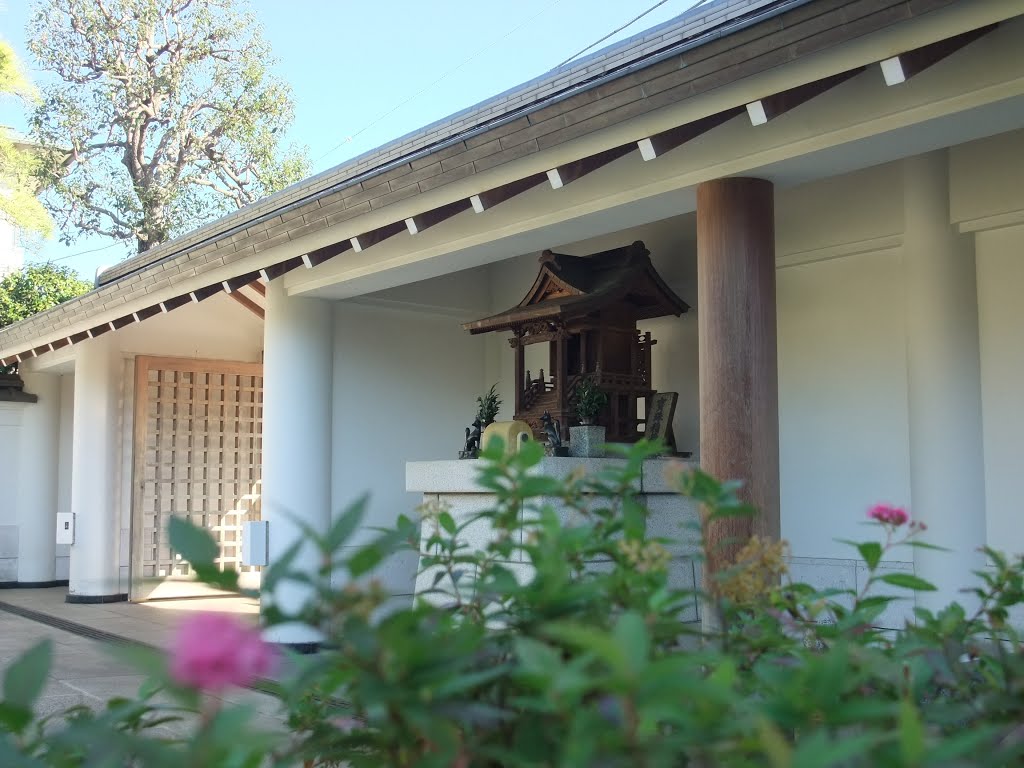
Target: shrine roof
572,287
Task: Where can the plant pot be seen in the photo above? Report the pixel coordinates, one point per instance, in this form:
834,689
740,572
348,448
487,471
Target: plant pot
587,441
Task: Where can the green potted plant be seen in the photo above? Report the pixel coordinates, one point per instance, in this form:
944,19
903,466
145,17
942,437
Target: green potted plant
587,440
488,406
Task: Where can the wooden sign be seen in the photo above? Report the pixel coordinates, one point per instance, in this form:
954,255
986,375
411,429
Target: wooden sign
659,419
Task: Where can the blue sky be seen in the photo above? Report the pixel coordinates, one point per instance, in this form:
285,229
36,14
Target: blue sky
350,62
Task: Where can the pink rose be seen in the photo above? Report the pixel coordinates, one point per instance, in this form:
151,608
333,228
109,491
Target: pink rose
215,651
888,514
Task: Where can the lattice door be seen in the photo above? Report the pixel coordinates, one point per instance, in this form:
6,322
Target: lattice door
198,444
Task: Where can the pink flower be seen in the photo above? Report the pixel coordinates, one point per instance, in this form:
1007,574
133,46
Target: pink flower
214,651
888,514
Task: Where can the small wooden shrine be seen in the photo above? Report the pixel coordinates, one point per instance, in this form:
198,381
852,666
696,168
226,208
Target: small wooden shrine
586,309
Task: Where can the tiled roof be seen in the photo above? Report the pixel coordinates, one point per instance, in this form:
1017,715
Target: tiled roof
692,23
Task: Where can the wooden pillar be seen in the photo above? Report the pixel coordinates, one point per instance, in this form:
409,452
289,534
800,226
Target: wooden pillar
520,375
739,398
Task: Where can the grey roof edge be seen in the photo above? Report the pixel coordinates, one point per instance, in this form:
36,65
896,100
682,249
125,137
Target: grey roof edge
581,73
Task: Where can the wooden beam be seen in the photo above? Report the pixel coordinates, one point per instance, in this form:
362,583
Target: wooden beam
277,270
259,287
249,304
899,69
663,143
570,172
371,238
492,197
320,255
148,312
770,107
234,283
417,224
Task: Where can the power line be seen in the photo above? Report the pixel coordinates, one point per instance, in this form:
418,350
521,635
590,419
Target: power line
83,253
450,72
628,24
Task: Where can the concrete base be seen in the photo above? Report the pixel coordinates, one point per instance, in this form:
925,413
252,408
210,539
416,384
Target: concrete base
452,484
96,599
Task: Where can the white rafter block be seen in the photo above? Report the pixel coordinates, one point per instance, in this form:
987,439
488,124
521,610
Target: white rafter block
355,244
307,261
892,71
647,151
34,354
477,203
192,295
89,334
136,316
225,286
51,347
69,341
18,358
163,307
110,325
755,110
410,224
264,275
555,178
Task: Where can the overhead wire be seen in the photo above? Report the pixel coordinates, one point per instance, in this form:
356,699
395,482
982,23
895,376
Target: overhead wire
430,85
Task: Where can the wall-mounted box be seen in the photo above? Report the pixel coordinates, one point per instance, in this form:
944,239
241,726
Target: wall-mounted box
255,542
65,528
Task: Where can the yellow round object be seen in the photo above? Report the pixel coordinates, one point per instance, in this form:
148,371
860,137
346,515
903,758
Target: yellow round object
512,433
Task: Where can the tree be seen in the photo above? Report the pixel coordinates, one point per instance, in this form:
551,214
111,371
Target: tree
37,287
19,162
164,115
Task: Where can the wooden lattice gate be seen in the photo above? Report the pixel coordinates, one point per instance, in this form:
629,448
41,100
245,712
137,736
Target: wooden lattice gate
197,454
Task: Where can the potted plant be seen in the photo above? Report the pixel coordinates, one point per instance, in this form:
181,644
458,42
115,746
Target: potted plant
488,407
587,440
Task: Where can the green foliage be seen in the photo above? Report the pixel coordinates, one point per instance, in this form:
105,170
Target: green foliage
19,162
165,115
562,643
487,406
35,288
590,400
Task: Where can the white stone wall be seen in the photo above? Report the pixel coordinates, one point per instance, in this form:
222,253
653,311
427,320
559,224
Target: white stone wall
405,385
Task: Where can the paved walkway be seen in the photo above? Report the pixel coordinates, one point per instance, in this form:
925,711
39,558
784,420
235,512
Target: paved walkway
87,671
151,623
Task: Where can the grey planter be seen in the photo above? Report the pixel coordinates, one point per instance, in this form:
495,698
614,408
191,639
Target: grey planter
587,441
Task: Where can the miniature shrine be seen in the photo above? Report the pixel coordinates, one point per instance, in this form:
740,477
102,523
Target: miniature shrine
586,308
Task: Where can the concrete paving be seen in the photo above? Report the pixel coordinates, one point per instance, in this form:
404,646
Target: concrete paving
152,622
88,672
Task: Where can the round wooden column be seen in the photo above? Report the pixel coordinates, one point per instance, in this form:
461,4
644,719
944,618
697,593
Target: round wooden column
739,392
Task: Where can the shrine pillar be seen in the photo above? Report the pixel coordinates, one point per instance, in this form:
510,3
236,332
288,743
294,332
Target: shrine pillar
297,381
94,565
944,384
739,394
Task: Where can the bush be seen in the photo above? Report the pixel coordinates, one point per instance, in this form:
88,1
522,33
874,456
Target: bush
564,664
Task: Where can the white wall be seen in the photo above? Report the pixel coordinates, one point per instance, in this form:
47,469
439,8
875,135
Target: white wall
10,424
999,256
843,423
405,386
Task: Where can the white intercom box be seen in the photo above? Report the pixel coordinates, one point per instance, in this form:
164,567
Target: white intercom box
255,542
65,528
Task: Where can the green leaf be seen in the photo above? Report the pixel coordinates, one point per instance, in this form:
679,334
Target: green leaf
907,581
26,677
912,744
447,523
871,551
631,634
346,524
193,543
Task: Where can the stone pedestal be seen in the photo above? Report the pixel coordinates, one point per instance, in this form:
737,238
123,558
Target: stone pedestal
452,484
586,441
